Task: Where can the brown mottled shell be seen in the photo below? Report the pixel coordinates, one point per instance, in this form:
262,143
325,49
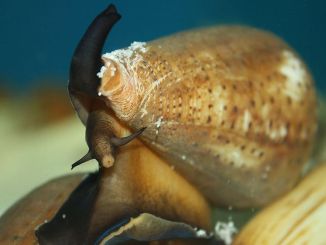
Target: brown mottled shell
232,107
18,224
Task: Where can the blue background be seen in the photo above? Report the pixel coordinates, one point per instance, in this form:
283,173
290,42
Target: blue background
38,37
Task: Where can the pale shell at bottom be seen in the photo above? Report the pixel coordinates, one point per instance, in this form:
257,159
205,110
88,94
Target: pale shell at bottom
297,218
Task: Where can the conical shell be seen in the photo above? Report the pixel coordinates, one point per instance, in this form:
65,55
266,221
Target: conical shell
232,106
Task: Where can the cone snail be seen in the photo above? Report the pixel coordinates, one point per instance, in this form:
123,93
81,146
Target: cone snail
232,108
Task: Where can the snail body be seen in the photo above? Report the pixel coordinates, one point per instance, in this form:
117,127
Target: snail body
79,209
231,107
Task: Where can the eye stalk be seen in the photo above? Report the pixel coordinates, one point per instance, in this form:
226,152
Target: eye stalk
101,140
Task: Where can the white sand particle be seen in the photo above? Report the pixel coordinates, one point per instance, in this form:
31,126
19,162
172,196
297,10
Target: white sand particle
225,231
159,122
101,72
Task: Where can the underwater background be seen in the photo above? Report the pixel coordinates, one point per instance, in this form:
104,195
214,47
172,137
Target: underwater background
40,136
38,37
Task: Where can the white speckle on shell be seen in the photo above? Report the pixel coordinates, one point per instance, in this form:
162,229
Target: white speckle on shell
159,122
225,231
201,233
101,72
113,69
144,112
138,46
283,131
236,157
246,120
295,73
278,133
122,55
273,134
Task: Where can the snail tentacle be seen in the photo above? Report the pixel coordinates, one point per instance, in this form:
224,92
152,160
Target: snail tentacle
85,158
125,140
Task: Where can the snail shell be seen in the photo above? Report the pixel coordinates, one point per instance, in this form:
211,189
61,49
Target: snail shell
17,224
297,218
232,107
